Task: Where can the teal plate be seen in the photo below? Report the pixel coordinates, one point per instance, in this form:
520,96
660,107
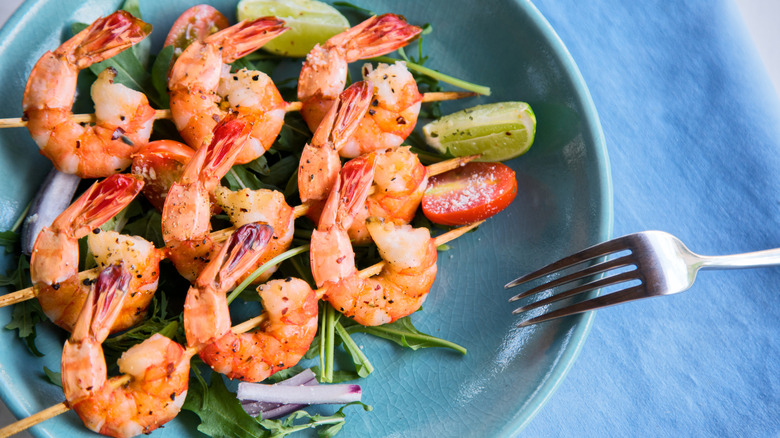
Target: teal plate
564,204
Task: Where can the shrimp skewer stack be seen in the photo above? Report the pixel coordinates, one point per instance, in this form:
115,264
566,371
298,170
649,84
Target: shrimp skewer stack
124,117
54,261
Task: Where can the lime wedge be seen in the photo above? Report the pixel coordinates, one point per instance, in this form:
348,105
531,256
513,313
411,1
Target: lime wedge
311,22
498,131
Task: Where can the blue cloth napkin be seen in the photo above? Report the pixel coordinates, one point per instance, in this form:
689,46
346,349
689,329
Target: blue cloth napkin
692,128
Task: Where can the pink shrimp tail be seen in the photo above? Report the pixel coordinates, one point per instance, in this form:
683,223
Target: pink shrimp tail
103,304
247,36
376,36
351,189
211,163
102,201
104,38
344,116
240,252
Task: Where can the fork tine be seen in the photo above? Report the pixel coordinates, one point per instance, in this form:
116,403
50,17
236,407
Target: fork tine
592,252
591,270
597,284
625,295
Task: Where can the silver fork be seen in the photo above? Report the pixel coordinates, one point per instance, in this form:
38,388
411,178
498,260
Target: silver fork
643,265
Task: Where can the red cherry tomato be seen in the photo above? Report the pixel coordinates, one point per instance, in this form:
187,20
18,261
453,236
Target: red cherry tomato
469,193
194,24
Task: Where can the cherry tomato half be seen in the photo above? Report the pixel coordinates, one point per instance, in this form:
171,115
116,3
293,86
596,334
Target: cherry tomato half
469,193
194,24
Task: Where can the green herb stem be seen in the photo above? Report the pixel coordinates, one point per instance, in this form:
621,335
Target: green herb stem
20,219
327,343
274,261
363,365
460,83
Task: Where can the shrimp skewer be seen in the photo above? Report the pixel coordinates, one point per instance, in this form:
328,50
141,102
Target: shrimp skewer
249,198
54,260
431,96
158,368
324,72
187,209
124,117
290,309
240,328
203,91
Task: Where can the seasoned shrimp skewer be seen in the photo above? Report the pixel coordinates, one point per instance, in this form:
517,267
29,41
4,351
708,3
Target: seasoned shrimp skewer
239,328
409,254
187,209
124,117
54,260
282,339
203,91
324,72
157,369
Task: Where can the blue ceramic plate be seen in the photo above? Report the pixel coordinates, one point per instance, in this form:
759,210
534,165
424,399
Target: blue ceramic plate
564,204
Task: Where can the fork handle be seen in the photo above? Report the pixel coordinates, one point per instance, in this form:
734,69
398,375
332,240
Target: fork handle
757,259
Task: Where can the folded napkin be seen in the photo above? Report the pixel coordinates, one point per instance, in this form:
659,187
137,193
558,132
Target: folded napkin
693,132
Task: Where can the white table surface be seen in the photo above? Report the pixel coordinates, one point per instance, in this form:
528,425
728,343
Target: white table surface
760,18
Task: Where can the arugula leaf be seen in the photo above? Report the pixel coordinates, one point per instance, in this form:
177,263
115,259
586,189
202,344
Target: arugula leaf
220,412
403,333
26,314
159,78
9,239
54,377
362,364
328,426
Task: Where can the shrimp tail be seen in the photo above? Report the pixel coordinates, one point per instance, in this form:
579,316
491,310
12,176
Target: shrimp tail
247,36
344,116
376,36
238,254
352,189
211,163
104,38
102,201
103,304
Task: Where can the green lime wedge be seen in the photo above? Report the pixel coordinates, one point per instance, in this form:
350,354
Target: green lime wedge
311,22
498,131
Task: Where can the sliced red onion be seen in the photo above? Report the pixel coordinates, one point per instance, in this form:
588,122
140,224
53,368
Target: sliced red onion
273,401
52,198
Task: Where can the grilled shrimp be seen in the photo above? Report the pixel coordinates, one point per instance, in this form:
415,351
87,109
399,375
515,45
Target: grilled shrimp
158,368
187,210
402,286
124,117
324,72
203,91
400,180
290,306
393,113
55,256
320,163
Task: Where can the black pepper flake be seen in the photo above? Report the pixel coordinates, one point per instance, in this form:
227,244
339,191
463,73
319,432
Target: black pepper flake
371,112
375,102
400,120
256,77
55,286
96,231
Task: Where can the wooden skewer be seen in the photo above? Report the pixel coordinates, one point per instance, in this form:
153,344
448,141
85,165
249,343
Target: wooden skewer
244,327
18,122
222,235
